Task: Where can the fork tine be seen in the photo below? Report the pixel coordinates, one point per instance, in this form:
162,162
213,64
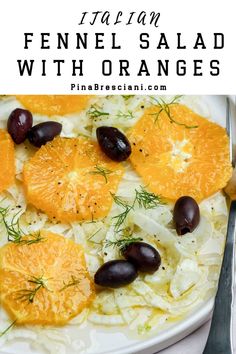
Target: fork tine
229,129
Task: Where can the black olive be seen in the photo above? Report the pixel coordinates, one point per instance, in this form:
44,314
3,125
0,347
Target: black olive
41,133
114,274
186,215
19,123
144,256
113,143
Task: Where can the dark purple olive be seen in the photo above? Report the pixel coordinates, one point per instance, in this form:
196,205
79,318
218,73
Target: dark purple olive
19,123
114,274
186,215
113,143
145,257
41,133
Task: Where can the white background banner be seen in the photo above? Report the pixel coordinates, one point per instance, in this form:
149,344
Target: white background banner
165,47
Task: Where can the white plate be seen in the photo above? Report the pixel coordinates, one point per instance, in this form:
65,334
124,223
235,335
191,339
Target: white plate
100,340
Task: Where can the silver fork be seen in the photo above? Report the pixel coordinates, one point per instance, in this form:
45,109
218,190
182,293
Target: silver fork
220,339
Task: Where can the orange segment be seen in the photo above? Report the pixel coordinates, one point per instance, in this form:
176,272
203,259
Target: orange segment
65,180
7,161
174,160
54,104
59,266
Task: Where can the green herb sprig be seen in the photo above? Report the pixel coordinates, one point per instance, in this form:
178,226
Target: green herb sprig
14,231
120,218
126,97
147,200
73,282
128,115
100,170
143,198
90,238
8,328
122,243
94,112
165,107
29,294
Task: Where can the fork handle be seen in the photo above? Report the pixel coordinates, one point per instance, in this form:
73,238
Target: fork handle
220,336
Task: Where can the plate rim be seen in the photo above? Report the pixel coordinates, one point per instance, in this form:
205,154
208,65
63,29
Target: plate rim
173,334
177,331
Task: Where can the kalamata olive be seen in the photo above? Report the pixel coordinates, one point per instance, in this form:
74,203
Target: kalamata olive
41,133
186,215
114,274
19,123
144,256
113,143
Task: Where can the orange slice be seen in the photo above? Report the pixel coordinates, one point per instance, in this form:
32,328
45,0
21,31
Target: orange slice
54,104
71,179
175,160
45,282
7,161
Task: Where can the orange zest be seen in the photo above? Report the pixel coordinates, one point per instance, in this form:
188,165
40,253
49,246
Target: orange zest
71,179
54,104
46,282
175,160
7,161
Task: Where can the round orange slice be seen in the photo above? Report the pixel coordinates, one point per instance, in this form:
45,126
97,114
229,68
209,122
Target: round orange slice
180,153
54,104
71,179
7,161
45,282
